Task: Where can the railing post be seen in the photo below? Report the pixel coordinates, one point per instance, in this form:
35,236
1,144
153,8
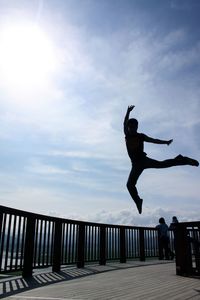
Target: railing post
1,237
142,252
57,246
81,246
102,260
29,247
183,252
122,245
1,221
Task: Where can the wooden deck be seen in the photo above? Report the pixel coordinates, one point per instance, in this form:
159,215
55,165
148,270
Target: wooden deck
149,280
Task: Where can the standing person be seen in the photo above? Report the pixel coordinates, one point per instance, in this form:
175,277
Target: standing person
140,161
173,223
163,240
173,227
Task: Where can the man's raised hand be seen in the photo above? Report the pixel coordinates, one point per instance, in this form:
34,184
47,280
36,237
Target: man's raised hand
131,107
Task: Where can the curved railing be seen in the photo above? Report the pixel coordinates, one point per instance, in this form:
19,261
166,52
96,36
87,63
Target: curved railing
29,240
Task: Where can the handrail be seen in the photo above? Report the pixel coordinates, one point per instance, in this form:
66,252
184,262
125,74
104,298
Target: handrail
24,213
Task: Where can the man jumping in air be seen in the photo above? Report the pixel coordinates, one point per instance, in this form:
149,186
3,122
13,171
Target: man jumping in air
140,161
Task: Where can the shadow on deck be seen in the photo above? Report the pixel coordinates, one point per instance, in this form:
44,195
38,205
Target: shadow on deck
12,285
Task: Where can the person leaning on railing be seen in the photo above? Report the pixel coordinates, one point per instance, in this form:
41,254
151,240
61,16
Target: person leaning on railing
173,227
163,240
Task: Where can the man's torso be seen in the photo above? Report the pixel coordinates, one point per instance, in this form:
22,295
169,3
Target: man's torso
135,145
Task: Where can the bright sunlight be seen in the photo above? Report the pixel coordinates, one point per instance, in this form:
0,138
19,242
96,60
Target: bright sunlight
26,56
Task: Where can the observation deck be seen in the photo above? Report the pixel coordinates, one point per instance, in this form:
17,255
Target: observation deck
149,280
50,258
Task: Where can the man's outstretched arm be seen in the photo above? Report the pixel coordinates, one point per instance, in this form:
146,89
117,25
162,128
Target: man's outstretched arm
129,109
156,141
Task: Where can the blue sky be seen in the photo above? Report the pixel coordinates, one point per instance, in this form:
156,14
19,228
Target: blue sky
68,71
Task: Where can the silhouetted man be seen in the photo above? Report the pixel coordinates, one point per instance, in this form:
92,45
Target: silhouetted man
163,240
140,161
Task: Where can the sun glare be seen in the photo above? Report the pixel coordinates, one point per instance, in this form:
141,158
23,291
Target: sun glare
26,56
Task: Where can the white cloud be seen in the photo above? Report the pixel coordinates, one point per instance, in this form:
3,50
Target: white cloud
183,5
178,182
178,60
45,169
131,218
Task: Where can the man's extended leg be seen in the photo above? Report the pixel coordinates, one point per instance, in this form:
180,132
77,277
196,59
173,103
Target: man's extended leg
132,180
177,161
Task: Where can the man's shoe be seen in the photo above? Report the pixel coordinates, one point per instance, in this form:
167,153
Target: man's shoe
191,161
187,160
139,205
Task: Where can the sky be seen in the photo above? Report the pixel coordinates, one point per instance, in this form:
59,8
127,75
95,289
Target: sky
68,71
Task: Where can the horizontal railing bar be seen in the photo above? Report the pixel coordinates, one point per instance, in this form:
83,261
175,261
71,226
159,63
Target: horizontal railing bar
189,224
18,212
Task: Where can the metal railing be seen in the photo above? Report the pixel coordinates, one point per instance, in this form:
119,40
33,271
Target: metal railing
29,241
187,246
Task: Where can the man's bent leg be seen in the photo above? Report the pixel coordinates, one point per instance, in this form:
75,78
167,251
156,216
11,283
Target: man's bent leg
131,186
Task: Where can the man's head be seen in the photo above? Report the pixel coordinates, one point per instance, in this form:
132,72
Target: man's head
162,221
174,219
132,125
